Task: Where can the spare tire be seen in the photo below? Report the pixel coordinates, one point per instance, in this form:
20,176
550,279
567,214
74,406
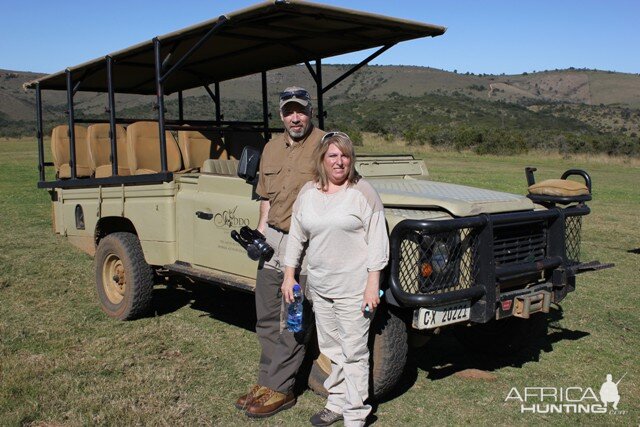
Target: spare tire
388,356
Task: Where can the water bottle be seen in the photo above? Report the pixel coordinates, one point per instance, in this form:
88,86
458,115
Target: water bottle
366,307
294,311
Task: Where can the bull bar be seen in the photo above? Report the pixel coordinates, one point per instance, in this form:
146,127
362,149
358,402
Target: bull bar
483,278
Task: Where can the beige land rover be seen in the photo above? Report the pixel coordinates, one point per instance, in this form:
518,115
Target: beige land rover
160,198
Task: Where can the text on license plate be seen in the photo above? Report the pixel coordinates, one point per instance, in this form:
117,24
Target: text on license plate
430,318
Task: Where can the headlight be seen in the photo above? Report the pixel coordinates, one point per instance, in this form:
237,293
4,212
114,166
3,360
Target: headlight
438,262
439,256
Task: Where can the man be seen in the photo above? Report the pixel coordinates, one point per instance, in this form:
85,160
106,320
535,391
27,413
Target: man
609,392
286,165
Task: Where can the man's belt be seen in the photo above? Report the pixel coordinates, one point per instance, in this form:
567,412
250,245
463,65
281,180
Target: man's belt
278,229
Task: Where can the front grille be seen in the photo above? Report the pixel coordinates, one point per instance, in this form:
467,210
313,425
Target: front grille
519,243
438,262
452,257
572,230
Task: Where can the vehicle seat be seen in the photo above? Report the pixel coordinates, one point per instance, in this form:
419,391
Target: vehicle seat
196,147
559,191
143,148
227,167
559,187
60,149
100,149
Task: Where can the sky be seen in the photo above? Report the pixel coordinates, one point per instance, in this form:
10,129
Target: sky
490,36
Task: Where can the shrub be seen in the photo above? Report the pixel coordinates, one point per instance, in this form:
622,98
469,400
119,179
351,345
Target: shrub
501,142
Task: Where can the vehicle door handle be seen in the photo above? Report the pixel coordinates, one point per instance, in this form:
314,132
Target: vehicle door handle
204,215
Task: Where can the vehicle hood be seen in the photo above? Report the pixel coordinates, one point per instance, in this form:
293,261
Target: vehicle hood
459,200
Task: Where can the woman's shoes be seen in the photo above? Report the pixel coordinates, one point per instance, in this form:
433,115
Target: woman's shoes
326,417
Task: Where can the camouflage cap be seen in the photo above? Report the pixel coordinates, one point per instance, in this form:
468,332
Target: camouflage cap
295,94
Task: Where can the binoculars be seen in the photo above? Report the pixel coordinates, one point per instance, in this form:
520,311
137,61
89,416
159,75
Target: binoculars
254,243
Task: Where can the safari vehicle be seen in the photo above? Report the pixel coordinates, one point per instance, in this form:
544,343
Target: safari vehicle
154,199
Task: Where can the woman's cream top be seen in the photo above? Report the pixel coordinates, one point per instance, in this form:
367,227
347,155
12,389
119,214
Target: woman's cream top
347,237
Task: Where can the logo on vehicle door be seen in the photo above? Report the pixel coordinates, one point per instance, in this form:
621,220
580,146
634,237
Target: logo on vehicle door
228,219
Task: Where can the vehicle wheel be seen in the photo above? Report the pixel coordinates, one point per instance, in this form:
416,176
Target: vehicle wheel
388,355
124,280
502,337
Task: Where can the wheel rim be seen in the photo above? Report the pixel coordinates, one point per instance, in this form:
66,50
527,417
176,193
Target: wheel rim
114,278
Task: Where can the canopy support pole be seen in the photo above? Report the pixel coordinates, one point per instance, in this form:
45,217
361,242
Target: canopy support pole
160,97
72,133
321,113
217,101
358,66
265,107
39,132
317,77
221,21
215,97
112,117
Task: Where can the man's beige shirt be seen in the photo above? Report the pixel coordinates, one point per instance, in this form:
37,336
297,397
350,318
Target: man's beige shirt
284,168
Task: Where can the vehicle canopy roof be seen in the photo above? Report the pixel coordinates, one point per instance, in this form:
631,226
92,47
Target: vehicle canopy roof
266,36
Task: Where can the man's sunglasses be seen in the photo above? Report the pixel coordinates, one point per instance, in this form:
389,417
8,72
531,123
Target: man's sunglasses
303,94
329,135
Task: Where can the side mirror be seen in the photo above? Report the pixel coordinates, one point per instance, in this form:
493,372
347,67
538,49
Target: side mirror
249,163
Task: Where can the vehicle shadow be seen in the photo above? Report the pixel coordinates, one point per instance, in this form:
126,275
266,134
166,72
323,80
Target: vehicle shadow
216,302
225,305
445,354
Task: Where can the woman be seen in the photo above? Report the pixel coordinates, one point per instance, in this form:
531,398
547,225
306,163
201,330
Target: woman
341,217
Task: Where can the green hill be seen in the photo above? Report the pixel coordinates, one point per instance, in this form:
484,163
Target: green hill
404,101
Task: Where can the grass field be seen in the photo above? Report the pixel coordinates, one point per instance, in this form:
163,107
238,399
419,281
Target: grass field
63,362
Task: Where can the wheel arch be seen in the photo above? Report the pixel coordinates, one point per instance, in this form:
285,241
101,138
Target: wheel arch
112,224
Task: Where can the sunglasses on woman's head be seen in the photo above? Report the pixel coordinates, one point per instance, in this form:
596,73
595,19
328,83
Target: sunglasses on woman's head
332,134
302,94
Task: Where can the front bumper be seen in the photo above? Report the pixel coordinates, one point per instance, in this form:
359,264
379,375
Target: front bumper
486,260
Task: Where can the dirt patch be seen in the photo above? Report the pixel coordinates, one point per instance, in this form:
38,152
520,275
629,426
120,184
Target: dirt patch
476,374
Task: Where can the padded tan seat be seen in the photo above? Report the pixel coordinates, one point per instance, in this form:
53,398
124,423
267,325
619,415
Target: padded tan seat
196,147
143,148
61,154
559,187
228,167
100,150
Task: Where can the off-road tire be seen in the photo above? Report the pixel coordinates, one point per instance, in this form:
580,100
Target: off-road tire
119,256
388,355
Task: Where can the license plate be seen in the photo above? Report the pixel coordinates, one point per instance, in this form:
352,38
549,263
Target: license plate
431,318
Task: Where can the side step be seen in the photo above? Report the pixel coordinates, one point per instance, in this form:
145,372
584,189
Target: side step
215,277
